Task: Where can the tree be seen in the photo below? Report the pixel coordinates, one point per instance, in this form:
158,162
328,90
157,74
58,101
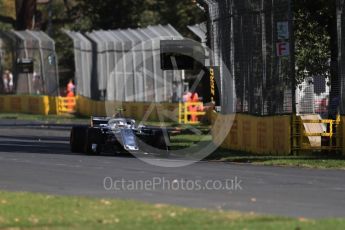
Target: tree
314,37
25,14
7,20
107,14
175,12
316,41
86,15
121,14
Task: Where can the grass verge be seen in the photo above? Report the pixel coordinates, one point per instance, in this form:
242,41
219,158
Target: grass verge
188,140
313,160
35,211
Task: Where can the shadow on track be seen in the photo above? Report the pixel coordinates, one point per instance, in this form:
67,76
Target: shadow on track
34,138
38,126
44,145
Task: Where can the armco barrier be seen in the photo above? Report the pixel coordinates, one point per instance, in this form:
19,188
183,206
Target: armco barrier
259,135
42,105
135,110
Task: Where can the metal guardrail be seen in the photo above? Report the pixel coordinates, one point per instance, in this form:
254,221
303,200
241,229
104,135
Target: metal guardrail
66,104
185,115
330,139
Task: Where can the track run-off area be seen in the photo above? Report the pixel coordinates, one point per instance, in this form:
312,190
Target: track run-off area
35,157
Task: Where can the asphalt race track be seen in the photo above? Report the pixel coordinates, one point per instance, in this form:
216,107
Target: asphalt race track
36,158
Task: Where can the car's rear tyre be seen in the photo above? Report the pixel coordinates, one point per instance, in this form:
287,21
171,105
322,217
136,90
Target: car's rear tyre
77,139
93,137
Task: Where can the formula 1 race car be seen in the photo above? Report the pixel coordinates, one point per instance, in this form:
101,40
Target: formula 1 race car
118,135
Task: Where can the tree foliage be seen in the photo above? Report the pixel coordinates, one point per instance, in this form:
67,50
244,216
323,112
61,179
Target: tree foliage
315,25
315,34
7,13
87,15
110,14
